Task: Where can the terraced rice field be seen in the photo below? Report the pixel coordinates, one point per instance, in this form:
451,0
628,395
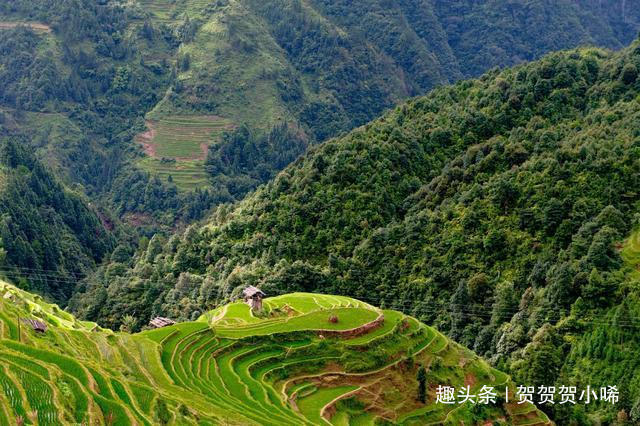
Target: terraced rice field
282,367
35,26
187,175
177,146
168,10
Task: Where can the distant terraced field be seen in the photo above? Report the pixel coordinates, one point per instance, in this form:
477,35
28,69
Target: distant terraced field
168,10
176,146
36,26
288,366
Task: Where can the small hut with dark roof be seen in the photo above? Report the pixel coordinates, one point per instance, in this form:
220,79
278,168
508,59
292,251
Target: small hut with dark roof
36,325
159,322
253,297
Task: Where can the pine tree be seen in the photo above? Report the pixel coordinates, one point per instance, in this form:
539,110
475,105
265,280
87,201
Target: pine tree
422,384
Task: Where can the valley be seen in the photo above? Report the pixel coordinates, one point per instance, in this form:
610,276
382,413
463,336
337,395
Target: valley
427,192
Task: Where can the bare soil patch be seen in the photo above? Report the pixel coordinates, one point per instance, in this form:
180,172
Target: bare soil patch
36,26
469,380
146,140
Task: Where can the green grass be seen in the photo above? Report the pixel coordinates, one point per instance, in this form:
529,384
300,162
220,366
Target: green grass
123,395
630,252
246,84
103,386
39,396
272,369
12,393
64,363
27,364
183,137
312,405
294,312
80,398
348,318
391,321
10,328
143,396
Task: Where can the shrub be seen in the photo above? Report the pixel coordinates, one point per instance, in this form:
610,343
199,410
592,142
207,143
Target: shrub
629,74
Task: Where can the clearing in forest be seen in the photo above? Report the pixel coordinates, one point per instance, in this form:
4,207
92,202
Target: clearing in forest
36,26
177,146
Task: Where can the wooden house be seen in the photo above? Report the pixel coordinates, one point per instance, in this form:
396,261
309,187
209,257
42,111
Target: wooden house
159,322
253,297
36,325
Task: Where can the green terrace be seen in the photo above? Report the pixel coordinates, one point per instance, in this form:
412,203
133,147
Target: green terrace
302,359
176,147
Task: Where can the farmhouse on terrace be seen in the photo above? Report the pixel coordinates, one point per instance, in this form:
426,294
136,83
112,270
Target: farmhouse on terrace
159,322
253,297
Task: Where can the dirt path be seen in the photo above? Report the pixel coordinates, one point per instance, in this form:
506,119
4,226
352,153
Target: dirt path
220,315
36,26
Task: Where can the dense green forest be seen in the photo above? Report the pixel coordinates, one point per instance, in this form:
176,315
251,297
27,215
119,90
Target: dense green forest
504,210
243,160
81,82
78,94
49,237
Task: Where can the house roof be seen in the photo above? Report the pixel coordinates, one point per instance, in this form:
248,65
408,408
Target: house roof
252,291
35,324
159,322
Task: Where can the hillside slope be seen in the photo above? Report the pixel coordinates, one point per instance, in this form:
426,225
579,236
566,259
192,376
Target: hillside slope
292,366
329,66
489,209
50,236
126,99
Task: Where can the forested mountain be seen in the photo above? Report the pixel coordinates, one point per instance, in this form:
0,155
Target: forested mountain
328,66
159,110
504,210
81,78
76,87
49,237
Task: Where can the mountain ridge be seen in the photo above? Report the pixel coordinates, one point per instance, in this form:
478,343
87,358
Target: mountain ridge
486,208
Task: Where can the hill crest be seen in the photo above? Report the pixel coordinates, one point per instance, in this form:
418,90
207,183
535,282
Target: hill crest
282,368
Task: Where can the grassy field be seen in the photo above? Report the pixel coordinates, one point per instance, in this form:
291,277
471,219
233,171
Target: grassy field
243,85
182,137
245,88
630,252
233,367
187,175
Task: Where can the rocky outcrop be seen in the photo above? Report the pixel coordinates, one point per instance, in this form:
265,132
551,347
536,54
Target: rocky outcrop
354,332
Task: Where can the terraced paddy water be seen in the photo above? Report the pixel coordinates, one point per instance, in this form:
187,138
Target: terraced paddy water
281,367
